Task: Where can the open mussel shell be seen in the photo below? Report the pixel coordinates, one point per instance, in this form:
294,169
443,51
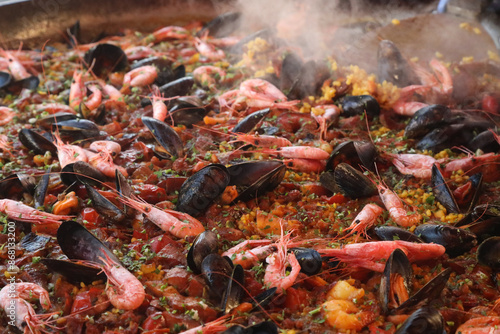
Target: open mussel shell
249,122
97,115
76,129
68,176
310,78
256,178
359,104
179,87
41,189
186,111
103,206
47,121
485,141
234,291
36,142
216,270
428,293
74,271
476,182
16,184
309,259
397,271
87,174
425,120
205,243
391,233
168,139
105,58
5,79
30,83
445,137
354,153
290,70
200,190
221,26
393,67
352,183
78,243
424,320
488,253
442,192
32,242
456,240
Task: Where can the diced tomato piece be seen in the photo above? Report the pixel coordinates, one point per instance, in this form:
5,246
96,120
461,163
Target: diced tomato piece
337,198
490,104
45,228
82,302
92,217
296,299
149,192
157,243
154,321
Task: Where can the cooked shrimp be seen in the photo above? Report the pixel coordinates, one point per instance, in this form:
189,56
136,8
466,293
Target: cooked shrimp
372,255
20,312
418,165
480,325
250,252
95,98
305,165
208,76
106,151
277,263
77,90
167,220
170,32
53,108
262,94
127,292
6,115
22,212
365,219
208,51
396,208
139,77
17,69
67,153
160,110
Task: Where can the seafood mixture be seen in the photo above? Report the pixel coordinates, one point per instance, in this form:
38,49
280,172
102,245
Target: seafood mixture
193,181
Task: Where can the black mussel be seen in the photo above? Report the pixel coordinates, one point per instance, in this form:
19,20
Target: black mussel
354,153
41,189
36,142
104,207
249,122
486,228
76,129
216,271
78,243
47,121
255,178
429,293
97,115
442,192
308,82
397,271
202,188
205,243
179,87
309,260
359,104
30,83
488,253
14,185
474,185
456,240
393,67
290,70
186,111
445,137
426,119
263,299
236,329
327,180
485,141
125,190
222,25
234,291
74,271
33,242
5,79
68,176
105,58
352,183
87,174
170,142
424,320
391,233
164,65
